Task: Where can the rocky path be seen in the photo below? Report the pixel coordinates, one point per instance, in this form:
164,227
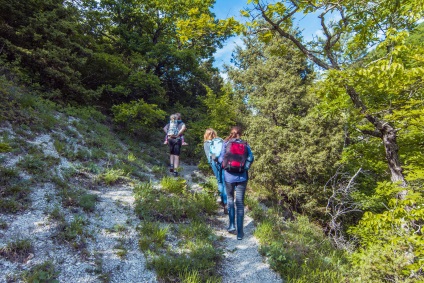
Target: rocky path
242,262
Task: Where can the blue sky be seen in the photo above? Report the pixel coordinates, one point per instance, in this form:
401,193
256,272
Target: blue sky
231,8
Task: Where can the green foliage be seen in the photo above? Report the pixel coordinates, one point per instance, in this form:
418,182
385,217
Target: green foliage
152,236
202,258
74,232
196,249
13,190
87,202
138,117
5,147
43,42
111,176
394,233
174,186
205,202
195,231
45,272
298,249
193,276
295,149
18,250
221,110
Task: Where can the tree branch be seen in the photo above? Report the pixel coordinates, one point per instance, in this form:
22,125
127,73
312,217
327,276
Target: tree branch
293,39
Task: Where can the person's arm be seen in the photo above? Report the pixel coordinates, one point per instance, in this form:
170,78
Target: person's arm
206,147
181,131
250,158
165,129
221,156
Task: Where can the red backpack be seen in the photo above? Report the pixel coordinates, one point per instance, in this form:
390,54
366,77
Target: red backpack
235,156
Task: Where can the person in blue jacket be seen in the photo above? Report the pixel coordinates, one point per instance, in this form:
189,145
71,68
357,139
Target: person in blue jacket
236,182
209,135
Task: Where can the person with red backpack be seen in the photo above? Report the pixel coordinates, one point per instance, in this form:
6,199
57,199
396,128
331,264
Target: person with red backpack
212,144
236,158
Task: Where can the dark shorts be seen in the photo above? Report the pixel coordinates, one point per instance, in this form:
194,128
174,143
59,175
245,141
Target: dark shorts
174,146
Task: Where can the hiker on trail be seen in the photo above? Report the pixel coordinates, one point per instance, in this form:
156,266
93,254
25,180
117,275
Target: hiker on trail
236,158
212,145
174,130
173,120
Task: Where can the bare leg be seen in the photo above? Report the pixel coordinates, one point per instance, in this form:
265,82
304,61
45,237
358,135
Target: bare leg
176,162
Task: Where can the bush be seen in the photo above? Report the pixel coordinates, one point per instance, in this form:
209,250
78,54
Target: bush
138,116
298,250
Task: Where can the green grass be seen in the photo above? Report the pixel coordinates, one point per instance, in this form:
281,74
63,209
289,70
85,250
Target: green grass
174,186
14,191
75,197
152,236
112,176
5,147
175,213
45,272
298,250
87,202
38,165
17,250
74,233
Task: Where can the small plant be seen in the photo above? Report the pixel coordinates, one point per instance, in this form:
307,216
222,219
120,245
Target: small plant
111,176
57,214
298,250
87,202
118,228
17,251
152,236
159,170
205,202
5,147
13,191
38,165
195,230
74,232
60,146
172,185
131,157
45,272
121,252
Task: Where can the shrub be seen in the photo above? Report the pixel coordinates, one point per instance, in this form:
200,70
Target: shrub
172,185
45,272
5,147
111,176
87,202
152,236
138,116
18,250
298,250
391,245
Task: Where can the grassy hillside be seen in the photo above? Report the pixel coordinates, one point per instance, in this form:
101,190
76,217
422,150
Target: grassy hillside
81,199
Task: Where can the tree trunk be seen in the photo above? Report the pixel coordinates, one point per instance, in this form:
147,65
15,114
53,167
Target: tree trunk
388,135
392,155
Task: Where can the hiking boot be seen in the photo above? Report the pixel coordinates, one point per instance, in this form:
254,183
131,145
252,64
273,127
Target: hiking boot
175,174
171,168
231,216
240,233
